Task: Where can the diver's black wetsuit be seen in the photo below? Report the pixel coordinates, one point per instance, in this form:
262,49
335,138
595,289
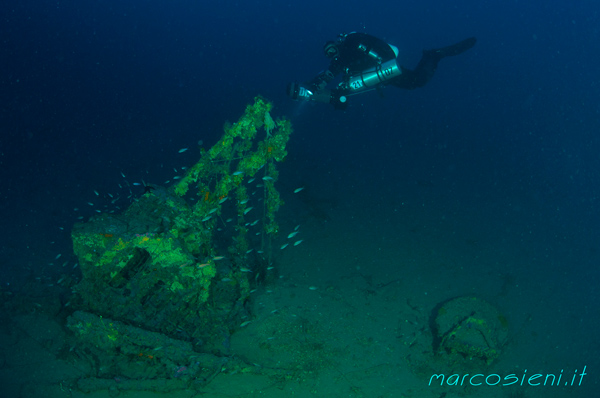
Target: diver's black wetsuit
360,54
426,67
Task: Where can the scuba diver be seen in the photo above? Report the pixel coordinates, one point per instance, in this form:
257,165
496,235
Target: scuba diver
367,63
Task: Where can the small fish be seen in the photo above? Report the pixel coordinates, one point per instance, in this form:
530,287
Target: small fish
123,174
238,173
206,218
217,258
312,288
245,324
290,236
90,203
182,150
296,227
248,210
96,192
176,177
270,268
57,256
243,202
213,210
298,189
109,194
223,200
137,184
297,242
267,178
244,269
203,265
249,251
283,246
226,280
250,181
254,223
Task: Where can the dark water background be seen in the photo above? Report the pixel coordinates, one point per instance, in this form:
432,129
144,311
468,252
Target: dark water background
504,141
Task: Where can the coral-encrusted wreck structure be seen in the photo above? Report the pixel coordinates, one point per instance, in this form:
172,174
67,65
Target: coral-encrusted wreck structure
169,278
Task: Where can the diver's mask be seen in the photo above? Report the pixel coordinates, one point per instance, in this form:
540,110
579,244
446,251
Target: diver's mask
331,49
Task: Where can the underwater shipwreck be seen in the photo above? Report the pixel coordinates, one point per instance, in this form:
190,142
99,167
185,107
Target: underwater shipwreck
166,282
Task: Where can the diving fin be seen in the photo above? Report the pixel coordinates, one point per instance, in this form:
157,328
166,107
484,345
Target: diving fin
454,49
